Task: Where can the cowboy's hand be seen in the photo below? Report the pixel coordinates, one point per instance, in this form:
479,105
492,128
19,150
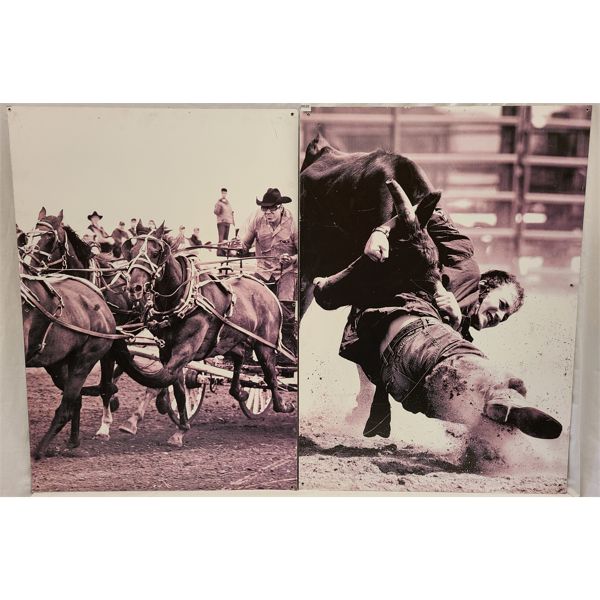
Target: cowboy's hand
448,306
235,243
285,260
377,247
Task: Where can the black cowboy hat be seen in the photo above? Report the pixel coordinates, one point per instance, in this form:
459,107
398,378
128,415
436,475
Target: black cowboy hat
94,214
272,197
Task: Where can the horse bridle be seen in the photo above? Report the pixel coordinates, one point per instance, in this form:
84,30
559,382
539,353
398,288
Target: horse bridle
44,228
143,261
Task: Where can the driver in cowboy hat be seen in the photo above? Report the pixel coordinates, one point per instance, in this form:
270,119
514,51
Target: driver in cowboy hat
100,235
274,232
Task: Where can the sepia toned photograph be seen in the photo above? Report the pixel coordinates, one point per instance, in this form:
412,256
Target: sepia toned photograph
440,251
158,254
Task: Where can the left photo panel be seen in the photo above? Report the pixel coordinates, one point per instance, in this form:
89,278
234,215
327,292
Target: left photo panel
158,275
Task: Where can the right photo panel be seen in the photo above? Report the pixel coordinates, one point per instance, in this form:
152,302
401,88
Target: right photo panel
439,269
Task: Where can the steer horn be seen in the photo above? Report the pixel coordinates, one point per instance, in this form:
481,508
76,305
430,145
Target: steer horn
402,204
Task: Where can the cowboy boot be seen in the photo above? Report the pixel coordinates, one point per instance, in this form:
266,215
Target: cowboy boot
531,421
380,417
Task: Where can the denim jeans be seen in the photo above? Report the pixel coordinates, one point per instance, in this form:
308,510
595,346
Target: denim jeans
413,353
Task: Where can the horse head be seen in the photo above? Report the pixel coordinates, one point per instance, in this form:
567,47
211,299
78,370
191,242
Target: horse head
147,255
46,242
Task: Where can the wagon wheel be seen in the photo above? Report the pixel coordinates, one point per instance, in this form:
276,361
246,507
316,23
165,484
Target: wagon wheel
194,397
258,401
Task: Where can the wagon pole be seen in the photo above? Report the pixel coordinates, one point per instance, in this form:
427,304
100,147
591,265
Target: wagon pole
206,369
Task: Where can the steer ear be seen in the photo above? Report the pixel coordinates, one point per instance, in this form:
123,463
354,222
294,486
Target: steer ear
426,207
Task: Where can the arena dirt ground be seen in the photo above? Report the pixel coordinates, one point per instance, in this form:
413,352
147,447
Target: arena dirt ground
223,451
424,455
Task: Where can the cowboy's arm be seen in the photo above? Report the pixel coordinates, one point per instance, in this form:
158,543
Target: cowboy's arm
248,237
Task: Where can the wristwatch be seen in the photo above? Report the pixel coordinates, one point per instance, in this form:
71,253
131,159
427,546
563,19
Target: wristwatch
383,229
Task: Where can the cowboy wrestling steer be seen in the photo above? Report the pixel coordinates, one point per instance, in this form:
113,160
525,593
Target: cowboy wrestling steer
407,350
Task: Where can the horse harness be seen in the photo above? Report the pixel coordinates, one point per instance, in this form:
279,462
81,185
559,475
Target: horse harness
192,297
31,298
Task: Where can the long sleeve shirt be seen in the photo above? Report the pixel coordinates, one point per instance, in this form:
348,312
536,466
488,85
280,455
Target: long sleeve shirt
460,275
270,241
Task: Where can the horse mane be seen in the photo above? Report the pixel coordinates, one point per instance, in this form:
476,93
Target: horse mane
82,250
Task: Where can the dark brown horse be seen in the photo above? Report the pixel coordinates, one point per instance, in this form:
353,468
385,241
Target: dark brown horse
67,329
54,247
197,316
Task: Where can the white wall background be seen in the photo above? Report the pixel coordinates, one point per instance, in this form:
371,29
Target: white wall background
153,163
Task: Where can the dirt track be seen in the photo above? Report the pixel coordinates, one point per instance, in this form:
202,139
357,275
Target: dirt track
424,455
223,451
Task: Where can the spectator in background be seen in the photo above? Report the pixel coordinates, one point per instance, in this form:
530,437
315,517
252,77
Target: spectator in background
100,235
151,225
195,237
119,234
133,227
225,219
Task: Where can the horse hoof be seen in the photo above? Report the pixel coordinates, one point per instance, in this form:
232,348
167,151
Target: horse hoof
242,396
128,428
100,436
73,444
283,408
176,440
114,404
162,403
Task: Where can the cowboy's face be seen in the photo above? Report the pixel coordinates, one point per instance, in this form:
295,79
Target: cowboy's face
272,213
496,306
95,220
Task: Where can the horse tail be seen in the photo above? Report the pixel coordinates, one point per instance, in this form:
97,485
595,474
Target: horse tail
161,378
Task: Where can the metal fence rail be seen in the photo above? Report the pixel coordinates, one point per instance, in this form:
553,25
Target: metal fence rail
536,169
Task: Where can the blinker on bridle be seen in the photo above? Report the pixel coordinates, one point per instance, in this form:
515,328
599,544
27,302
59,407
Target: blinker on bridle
143,261
35,251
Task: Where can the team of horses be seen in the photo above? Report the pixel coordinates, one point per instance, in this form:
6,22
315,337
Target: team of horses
80,309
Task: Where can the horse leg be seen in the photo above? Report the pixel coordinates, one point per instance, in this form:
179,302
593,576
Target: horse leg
131,425
67,408
266,358
107,365
237,356
176,440
75,420
59,374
